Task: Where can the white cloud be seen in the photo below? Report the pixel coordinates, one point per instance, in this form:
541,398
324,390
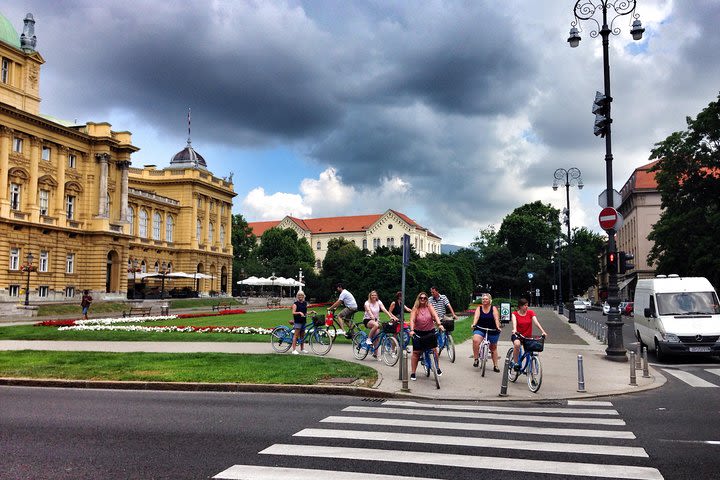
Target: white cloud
257,205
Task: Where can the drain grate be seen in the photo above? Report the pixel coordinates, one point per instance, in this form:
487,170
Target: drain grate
552,403
376,400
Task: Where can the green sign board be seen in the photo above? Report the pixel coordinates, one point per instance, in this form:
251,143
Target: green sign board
505,313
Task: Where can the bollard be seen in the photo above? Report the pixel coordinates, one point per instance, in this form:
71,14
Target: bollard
604,334
638,357
504,383
633,378
646,370
405,376
581,375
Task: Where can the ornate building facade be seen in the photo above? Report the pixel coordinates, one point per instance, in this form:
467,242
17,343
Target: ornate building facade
75,214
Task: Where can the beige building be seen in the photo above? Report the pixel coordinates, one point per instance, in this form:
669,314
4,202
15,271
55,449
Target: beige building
366,231
70,198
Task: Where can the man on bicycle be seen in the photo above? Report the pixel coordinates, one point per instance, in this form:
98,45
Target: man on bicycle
347,299
441,304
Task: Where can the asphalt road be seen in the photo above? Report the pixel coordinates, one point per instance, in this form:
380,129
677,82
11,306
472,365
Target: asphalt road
79,434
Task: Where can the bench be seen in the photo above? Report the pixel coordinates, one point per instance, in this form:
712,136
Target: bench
243,300
137,312
273,302
222,306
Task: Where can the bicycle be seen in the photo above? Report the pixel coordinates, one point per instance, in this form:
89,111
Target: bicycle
484,351
316,335
386,343
332,324
428,364
445,339
528,361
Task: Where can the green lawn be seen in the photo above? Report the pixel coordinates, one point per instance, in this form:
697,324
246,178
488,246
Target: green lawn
180,367
99,308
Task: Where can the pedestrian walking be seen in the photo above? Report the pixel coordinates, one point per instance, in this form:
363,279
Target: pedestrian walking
85,303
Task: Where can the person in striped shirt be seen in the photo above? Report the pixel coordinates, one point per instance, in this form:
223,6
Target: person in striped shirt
441,304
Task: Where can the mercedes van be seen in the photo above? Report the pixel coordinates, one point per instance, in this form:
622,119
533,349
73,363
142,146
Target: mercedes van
677,315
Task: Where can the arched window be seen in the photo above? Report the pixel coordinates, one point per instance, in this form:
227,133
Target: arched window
222,234
198,231
131,220
157,267
143,267
365,244
157,222
143,227
318,264
211,233
318,245
169,228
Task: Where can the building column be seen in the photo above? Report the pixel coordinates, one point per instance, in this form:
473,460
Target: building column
193,226
32,194
103,159
60,193
207,223
5,139
124,167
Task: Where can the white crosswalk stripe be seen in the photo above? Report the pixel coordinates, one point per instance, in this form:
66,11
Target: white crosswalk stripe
393,434
716,371
689,378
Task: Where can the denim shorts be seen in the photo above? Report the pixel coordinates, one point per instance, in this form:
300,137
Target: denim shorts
493,337
299,326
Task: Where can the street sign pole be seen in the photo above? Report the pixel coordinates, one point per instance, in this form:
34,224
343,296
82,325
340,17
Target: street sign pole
403,374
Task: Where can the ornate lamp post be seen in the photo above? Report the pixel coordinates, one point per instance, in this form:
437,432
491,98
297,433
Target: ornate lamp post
571,176
163,272
587,10
134,269
561,308
28,267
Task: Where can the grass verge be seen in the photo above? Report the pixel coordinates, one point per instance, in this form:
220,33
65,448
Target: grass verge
180,367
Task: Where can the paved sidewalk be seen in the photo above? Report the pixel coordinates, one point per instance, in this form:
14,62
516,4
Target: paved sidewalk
460,381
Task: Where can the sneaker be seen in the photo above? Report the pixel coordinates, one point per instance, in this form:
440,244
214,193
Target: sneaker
439,373
496,369
295,352
413,377
303,351
368,341
516,367
348,335
476,363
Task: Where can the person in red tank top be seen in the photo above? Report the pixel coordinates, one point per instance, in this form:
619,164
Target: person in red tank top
522,323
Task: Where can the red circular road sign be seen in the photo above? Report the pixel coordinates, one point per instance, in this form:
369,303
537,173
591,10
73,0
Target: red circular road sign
608,218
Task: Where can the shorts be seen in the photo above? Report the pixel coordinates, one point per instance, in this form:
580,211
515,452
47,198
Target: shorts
299,326
426,340
347,312
367,320
85,310
492,337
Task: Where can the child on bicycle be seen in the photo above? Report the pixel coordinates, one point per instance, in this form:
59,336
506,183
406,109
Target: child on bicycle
522,323
486,322
422,331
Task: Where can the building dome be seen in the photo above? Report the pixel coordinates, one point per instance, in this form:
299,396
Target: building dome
188,158
8,34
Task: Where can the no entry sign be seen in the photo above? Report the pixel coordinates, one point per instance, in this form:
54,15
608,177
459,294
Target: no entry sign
608,218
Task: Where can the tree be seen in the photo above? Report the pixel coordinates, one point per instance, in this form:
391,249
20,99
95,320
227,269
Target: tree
283,253
243,242
587,249
688,177
530,229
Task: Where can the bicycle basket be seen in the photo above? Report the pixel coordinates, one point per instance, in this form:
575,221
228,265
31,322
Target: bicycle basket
449,325
535,344
390,327
318,321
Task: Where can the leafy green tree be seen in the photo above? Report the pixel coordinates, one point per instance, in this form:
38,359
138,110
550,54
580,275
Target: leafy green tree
587,249
243,242
688,176
530,229
282,252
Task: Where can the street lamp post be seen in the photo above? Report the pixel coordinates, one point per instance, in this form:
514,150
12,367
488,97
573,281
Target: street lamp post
28,268
134,267
163,272
570,176
561,308
587,10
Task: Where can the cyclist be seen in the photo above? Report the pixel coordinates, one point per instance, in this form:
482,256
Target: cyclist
522,323
486,316
422,317
299,312
440,303
371,319
397,305
347,299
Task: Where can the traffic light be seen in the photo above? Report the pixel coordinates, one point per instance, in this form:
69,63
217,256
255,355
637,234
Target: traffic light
612,262
601,109
625,259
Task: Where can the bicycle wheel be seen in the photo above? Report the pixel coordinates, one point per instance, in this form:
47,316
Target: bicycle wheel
320,341
281,339
534,378
450,348
359,348
434,364
483,357
332,331
512,373
425,362
390,350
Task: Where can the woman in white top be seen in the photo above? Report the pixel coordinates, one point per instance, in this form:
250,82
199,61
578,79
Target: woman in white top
371,319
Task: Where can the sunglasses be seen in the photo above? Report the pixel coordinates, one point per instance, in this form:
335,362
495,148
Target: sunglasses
423,298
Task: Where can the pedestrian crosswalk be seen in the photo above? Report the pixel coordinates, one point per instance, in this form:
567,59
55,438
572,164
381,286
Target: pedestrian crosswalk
400,440
695,376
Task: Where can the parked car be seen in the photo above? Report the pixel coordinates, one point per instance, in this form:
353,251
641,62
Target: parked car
579,306
628,309
588,303
606,308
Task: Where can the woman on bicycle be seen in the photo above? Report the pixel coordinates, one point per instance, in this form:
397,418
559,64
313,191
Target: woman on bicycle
371,319
486,317
397,306
423,319
299,313
522,323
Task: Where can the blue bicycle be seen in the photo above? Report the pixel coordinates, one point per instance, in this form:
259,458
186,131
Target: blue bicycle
384,342
528,361
445,339
316,335
429,361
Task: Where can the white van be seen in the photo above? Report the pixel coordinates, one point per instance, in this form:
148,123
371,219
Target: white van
677,315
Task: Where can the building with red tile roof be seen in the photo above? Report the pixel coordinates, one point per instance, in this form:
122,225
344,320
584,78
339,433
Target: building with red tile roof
366,231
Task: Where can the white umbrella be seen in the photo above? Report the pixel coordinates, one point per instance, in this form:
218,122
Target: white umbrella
252,281
179,275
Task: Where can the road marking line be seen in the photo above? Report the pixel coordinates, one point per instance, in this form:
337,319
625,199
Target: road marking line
488,427
583,448
256,472
469,461
490,416
583,411
589,403
716,371
690,379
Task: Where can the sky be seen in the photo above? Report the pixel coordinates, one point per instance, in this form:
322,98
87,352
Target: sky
452,112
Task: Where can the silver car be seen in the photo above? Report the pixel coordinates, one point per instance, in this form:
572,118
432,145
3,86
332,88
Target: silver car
579,306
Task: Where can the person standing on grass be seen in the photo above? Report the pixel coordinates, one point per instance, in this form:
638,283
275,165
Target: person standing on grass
85,303
299,312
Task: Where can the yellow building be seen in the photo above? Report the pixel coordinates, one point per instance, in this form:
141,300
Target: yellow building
70,198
